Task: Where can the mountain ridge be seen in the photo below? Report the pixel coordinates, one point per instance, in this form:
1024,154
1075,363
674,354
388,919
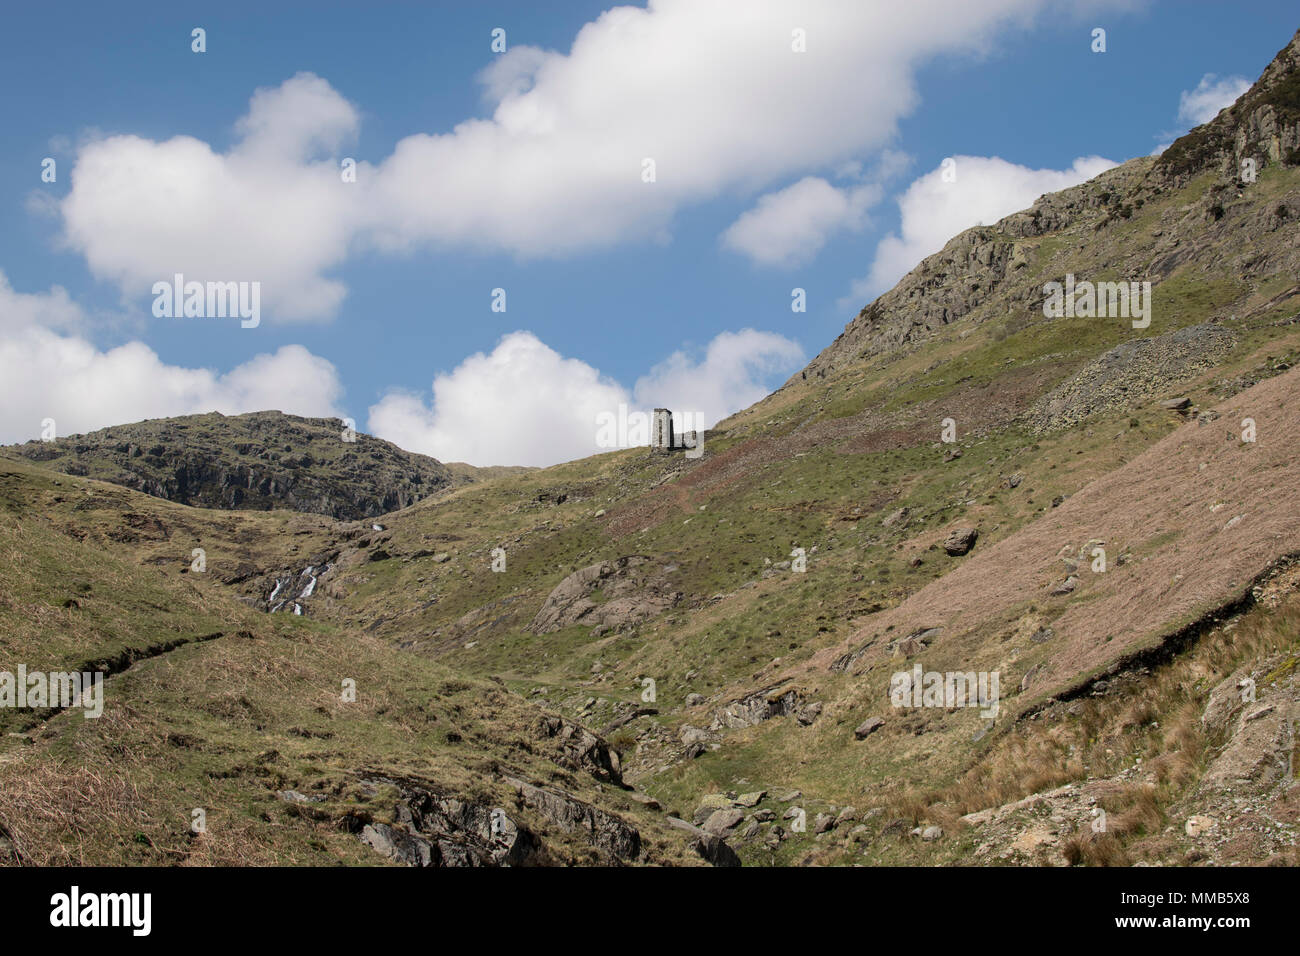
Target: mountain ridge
255,461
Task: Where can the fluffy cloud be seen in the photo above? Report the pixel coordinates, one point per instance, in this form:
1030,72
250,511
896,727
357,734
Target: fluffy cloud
789,227
270,210
730,377
44,374
525,404
1211,95
53,309
521,404
984,190
719,101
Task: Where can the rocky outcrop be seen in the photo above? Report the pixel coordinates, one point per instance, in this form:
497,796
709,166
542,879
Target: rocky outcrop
1263,124
431,828
252,462
773,701
606,832
608,596
992,263
580,749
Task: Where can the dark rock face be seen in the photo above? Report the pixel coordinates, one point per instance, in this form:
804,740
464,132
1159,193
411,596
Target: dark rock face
710,847
580,749
604,831
431,828
252,462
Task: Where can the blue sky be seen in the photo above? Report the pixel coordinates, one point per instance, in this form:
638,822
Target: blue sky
385,287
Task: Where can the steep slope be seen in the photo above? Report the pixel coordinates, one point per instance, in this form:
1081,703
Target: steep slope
1104,229
252,462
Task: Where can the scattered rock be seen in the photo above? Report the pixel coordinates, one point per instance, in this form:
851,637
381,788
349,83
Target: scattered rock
722,821
647,801
868,727
293,796
692,735
898,517
960,541
709,846
1065,587
807,715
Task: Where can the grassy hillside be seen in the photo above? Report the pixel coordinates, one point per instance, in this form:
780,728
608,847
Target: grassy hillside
534,640
213,705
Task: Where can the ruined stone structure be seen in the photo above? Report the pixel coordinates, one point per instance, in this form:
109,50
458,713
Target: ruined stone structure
661,430
664,440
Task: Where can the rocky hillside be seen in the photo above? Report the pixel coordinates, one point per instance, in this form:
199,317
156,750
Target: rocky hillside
1105,229
640,658
252,462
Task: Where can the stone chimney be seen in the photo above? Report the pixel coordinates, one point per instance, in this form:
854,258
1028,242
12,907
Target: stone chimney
661,431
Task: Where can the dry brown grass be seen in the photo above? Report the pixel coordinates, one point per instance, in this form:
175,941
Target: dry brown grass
1159,722
1098,849
55,813
1172,505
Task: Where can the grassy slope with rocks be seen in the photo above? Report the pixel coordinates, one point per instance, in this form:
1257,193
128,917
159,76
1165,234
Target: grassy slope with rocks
213,705
1129,680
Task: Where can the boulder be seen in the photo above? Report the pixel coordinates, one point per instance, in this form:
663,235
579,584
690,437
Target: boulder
722,821
868,727
960,541
710,847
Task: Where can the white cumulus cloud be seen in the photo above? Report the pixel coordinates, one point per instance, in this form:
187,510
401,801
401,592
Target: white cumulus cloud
525,404
730,376
45,374
719,100
1212,94
271,210
789,227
